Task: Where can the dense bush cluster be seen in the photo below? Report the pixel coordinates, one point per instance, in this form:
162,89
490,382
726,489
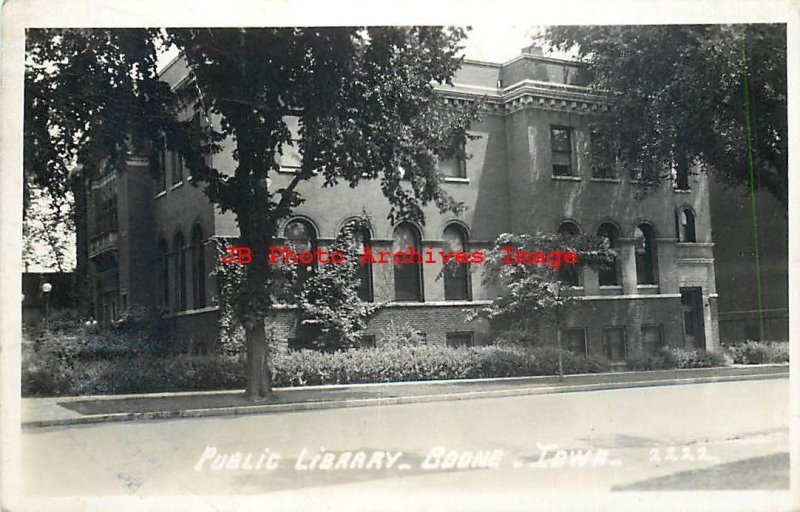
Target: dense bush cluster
54,370
425,362
672,358
129,360
141,374
756,352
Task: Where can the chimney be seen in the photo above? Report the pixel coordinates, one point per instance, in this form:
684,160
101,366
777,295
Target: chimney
532,50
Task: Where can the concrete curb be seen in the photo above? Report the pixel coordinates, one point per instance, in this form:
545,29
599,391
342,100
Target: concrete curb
760,373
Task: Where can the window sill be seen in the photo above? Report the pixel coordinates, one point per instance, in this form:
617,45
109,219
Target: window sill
610,287
188,312
160,194
682,191
695,244
566,178
454,179
606,180
176,185
438,303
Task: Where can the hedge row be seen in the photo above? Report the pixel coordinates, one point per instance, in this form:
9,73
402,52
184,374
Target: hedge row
756,352
669,358
58,371
55,373
425,362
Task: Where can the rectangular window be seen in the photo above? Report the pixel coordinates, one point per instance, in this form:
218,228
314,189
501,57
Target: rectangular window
175,165
460,339
614,343
290,158
574,340
561,145
601,156
455,166
652,339
364,274
106,220
367,341
680,172
161,156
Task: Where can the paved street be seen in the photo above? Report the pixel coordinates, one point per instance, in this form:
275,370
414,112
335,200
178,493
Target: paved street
688,437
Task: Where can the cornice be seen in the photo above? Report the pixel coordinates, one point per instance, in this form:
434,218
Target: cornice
527,94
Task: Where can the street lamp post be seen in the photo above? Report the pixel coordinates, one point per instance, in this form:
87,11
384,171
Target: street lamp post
556,290
560,349
46,289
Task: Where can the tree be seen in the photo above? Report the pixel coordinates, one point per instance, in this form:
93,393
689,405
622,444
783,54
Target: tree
692,95
332,314
365,99
89,94
535,288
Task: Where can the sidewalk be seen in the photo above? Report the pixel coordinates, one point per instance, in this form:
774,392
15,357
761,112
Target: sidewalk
57,411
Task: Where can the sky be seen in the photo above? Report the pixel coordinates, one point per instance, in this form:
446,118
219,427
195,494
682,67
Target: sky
498,43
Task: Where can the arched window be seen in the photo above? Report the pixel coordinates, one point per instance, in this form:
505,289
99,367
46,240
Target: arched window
609,276
408,274
361,238
646,258
180,272
163,274
198,268
570,274
301,236
684,225
456,276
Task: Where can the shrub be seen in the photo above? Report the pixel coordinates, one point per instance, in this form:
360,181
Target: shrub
546,362
756,352
519,333
401,335
671,358
49,373
505,361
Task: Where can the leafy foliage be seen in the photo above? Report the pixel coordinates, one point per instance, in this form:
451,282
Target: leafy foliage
89,95
680,94
756,352
394,335
529,290
332,315
230,278
671,358
44,373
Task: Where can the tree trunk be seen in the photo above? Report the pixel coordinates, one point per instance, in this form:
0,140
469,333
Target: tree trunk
254,300
82,289
259,373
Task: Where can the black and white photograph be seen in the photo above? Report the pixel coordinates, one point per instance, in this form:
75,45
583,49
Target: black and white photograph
515,263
